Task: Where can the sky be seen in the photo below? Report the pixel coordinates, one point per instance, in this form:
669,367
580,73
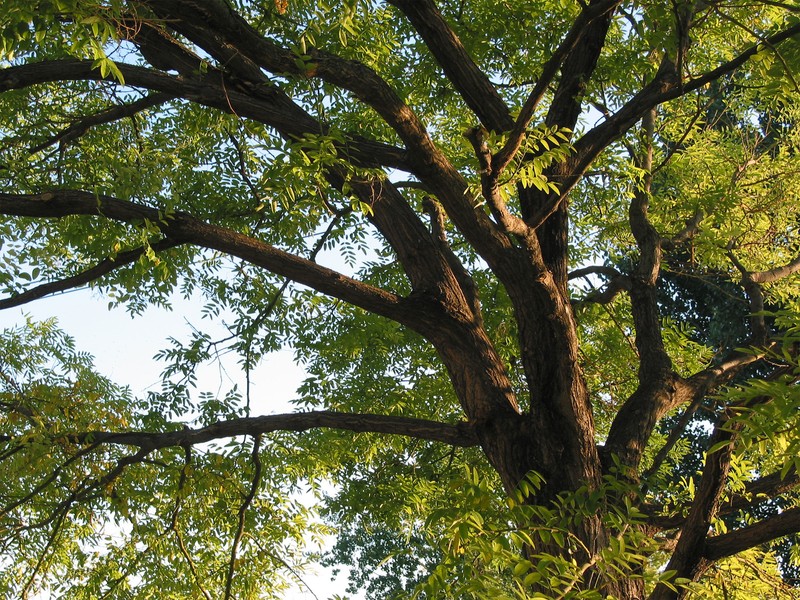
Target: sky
124,346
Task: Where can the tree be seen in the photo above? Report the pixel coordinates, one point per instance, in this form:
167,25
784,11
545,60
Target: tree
486,379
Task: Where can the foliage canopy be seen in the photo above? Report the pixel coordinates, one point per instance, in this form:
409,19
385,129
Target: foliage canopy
539,259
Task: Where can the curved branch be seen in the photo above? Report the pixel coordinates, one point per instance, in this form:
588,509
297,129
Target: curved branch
777,273
263,103
102,268
78,128
688,232
183,228
616,284
656,389
244,51
269,105
460,435
762,489
664,87
728,544
607,294
510,223
594,270
698,386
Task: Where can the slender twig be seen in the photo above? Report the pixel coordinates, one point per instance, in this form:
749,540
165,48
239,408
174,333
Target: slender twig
256,458
49,479
266,551
51,540
187,461
786,68
80,127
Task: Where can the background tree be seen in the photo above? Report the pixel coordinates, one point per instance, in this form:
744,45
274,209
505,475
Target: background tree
489,420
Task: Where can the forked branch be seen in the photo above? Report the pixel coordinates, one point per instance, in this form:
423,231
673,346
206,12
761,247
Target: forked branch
663,88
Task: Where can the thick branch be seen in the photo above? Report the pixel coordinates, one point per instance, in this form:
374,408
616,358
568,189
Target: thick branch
764,488
490,188
421,313
102,268
594,270
543,209
776,273
183,228
461,435
689,230
697,387
243,50
471,82
580,62
265,104
637,417
728,544
269,105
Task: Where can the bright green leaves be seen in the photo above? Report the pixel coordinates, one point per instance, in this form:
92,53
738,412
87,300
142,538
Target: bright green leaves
516,550
49,387
543,146
50,28
511,40
780,70
49,392
375,366
23,26
768,410
752,574
606,331
742,185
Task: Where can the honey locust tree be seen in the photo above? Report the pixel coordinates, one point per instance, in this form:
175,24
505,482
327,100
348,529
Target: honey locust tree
497,403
